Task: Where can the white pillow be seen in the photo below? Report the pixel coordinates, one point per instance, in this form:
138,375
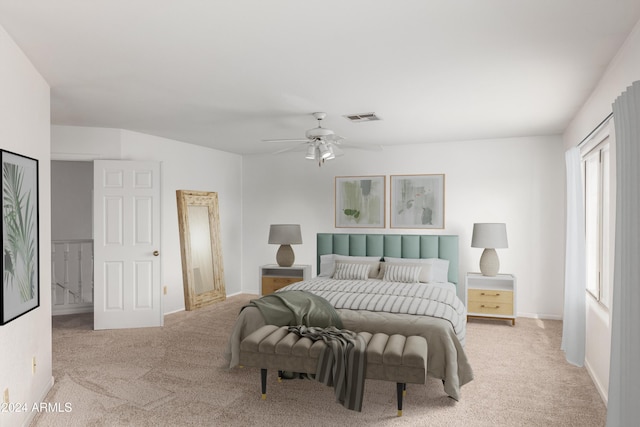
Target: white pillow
402,273
327,263
440,270
437,270
346,271
426,272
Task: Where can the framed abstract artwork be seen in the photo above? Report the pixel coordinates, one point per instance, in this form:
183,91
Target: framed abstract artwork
20,262
417,201
360,201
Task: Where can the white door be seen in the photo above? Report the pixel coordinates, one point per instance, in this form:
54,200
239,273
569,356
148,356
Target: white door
126,211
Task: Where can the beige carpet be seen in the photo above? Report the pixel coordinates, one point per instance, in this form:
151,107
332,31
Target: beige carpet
175,376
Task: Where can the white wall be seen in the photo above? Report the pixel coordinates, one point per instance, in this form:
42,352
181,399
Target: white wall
24,129
191,167
85,143
71,200
517,181
183,166
623,70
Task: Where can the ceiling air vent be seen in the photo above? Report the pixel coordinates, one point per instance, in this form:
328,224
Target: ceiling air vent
363,117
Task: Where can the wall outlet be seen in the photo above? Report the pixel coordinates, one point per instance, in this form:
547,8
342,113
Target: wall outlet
164,290
6,395
33,365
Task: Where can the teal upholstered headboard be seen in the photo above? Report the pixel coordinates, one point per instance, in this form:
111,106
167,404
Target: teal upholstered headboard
391,245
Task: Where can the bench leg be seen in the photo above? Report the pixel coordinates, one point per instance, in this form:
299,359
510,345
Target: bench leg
263,380
400,389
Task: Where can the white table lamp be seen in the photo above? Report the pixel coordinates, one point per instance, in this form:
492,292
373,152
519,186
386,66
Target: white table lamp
285,235
490,236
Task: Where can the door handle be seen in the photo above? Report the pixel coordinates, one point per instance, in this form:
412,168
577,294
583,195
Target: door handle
156,253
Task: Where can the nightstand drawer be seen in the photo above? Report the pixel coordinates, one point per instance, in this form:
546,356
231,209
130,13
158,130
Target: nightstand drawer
490,296
491,308
273,283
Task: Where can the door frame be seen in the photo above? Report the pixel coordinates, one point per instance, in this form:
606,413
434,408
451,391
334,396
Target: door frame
90,157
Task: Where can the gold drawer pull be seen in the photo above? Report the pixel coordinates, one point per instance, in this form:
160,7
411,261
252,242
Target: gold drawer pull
484,306
490,295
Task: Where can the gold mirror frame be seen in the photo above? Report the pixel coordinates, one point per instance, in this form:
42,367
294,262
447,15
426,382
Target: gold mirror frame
202,267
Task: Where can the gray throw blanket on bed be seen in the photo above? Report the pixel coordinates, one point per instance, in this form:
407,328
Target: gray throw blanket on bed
291,308
342,364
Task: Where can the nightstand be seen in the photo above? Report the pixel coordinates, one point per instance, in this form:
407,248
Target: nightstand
274,277
492,297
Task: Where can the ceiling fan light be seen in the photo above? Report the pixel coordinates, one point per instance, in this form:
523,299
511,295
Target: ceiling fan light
311,152
331,155
324,151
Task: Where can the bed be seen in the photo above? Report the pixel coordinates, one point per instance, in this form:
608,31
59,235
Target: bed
368,303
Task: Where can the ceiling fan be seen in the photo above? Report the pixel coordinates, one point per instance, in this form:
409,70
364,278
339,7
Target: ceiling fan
321,144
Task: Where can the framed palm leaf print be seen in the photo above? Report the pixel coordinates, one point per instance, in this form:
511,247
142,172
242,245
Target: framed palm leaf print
20,262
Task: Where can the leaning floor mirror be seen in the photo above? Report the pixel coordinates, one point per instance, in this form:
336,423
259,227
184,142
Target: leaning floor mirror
202,267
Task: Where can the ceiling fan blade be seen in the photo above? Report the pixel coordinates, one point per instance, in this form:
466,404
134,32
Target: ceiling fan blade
338,151
292,148
369,147
286,140
334,138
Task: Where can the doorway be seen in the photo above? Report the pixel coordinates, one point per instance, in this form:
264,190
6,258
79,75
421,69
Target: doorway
72,237
106,241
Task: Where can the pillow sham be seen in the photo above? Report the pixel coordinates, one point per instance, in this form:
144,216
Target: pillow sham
437,270
425,275
328,263
440,270
348,270
402,273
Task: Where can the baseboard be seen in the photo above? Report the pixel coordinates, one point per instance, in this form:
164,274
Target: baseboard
72,310
174,311
234,294
599,387
43,396
182,309
541,316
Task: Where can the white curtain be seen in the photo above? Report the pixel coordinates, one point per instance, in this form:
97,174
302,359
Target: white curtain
624,372
573,326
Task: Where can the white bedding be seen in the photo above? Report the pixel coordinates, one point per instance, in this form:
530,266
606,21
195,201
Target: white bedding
423,299
446,358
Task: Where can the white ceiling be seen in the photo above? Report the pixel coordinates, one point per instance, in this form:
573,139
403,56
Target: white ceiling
227,74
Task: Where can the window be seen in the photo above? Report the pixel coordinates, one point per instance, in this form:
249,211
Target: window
596,162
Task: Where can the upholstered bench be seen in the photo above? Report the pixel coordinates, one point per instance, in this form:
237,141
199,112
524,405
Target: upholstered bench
391,358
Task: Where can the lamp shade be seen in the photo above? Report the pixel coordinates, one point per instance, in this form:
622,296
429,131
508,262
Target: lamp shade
489,235
285,234
311,152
